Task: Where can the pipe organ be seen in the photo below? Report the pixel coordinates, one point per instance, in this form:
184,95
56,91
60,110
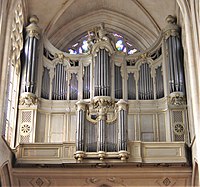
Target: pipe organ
104,101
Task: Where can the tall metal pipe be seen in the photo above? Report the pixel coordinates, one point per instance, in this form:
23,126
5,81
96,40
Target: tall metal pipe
175,63
147,81
30,52
122,125
105,73
176,72
80,129
33,66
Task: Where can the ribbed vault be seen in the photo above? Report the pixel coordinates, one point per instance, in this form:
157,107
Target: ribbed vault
137,33
71,19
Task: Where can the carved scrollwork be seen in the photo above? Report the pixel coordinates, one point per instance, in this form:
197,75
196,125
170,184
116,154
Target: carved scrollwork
105,182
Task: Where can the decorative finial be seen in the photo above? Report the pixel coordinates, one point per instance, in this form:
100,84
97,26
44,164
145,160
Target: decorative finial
34,19
171,19
32,29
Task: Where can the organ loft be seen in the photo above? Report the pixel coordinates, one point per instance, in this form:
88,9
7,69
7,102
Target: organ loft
104,99
99,93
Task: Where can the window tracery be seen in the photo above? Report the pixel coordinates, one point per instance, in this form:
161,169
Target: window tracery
84,44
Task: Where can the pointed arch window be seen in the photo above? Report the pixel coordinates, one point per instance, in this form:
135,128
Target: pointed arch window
121,44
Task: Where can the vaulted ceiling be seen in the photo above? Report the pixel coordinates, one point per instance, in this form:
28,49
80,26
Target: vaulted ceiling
138,20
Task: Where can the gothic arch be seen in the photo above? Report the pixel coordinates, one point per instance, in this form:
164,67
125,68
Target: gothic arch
140,34
5,175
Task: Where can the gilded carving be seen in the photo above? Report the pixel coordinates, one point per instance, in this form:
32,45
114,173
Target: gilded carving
79,155
102,104
123,155
102,155
28,99
177,99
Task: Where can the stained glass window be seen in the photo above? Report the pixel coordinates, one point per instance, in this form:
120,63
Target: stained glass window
121,44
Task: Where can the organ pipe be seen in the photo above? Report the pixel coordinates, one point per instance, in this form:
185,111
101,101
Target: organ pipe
59,82
122,125
145,88
45,84
102,73
86,83
30,65
80,128
159,83
101,135
90,136
131,86
111,139
118,83
175,56
73,95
